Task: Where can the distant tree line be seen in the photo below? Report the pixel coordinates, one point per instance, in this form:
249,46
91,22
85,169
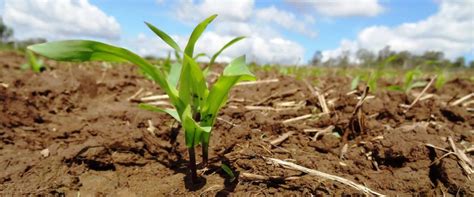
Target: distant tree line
8,42
387,57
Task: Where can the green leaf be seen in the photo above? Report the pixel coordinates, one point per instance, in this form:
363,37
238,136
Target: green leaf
174,74
178,57
417,84
192,130
34,64
440,81
167,63
355,82
189,50
199,55
192,84
236,71
171,112
238,68
214,57
78,50
395,88
228,171
372,81
85,50
165,37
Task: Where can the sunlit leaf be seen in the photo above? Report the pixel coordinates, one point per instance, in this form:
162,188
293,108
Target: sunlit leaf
189,50
172,112
236,71
230,43
86,50
165,37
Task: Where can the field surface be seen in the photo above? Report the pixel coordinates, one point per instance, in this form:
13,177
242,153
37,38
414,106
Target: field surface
75,129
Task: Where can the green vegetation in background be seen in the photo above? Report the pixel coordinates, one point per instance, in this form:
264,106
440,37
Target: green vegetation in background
195,105
411,80
33,63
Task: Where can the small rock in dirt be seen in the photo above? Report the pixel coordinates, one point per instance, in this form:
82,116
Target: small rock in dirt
45,152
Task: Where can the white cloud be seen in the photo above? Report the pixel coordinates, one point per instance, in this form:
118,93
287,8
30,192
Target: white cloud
59,19
450,30
263,44
341,8
346,46
258,49
286,19
232,10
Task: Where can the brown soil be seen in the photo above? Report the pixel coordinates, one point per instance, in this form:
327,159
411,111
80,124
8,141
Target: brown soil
98,141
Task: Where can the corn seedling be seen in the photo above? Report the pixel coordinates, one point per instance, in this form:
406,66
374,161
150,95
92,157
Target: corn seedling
441,79
228,171
355,82
410,81
379,72
33,63
195,105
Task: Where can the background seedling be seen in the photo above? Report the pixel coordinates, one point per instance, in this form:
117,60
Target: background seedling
410,81
34,64
228,171
195,105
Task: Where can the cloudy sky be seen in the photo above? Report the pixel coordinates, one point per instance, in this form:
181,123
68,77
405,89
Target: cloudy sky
281,31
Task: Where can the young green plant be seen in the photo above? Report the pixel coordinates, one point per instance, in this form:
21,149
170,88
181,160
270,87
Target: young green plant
33,63
410,81
195,105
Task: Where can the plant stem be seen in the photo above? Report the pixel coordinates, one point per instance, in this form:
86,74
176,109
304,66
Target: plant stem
192,165
205,153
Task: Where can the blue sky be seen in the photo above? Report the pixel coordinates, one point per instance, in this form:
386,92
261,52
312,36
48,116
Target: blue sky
284,31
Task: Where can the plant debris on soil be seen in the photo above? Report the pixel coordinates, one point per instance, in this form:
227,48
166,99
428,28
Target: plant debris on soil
75,129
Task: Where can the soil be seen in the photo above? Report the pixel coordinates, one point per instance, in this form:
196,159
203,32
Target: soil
73,130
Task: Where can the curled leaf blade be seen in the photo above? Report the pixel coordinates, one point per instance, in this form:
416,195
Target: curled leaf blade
198,30
165,37
172,112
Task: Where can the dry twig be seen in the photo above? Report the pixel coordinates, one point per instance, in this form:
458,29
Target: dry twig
151,128
357,121
350,183
320,131
226,121
257,177
461,100
464,161
154,98
257,82
321,99
265,108
420,95
135,95
282,138
297,118
277,95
